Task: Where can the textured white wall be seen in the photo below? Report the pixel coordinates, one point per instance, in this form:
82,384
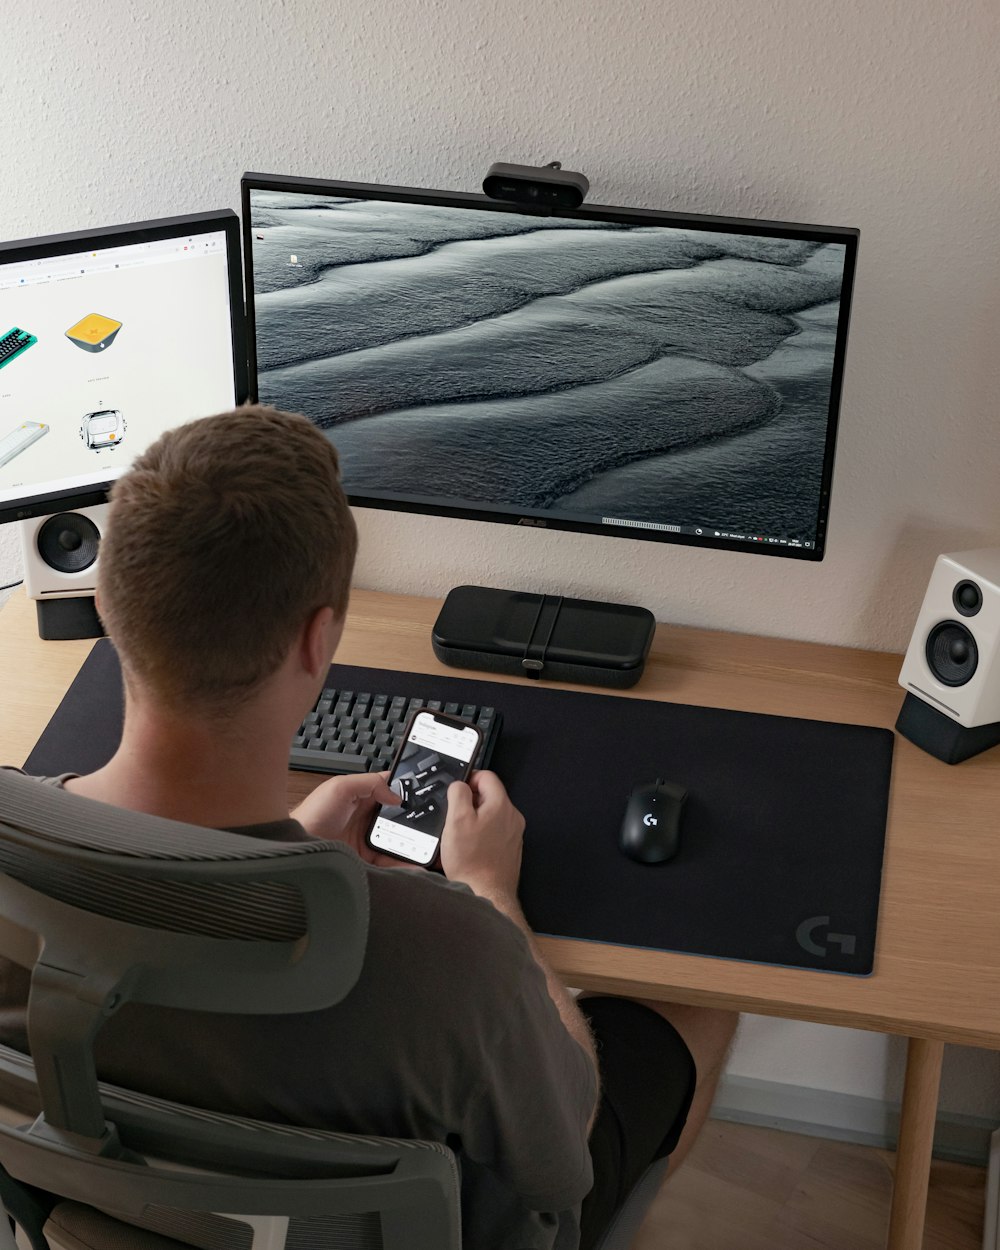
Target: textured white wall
10,561
881,116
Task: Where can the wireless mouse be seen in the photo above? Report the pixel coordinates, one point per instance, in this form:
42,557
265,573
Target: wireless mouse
651,830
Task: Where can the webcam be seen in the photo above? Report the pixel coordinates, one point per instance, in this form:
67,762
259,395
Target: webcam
540,186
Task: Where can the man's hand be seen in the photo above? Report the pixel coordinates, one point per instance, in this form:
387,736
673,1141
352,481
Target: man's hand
483,836
341,810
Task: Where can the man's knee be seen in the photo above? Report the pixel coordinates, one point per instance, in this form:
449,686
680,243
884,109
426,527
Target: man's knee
708,1032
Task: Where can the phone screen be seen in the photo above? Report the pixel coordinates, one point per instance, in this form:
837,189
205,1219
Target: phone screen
437,751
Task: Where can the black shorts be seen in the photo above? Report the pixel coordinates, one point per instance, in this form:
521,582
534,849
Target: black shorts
647,1083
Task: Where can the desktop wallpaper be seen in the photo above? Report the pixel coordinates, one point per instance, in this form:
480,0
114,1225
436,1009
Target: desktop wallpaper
576,369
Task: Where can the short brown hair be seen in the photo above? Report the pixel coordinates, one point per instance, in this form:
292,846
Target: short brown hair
223,538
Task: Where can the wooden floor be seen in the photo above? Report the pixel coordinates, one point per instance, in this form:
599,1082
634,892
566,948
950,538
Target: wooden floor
745,1188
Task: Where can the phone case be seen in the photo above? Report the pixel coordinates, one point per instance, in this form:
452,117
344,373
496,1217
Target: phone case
509,631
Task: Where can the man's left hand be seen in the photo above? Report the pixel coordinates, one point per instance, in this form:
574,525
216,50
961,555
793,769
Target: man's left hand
341,810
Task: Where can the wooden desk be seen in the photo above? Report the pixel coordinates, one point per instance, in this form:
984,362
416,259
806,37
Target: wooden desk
937,970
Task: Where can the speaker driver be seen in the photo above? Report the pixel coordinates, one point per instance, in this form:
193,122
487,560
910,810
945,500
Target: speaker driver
68,542
967,598
952,655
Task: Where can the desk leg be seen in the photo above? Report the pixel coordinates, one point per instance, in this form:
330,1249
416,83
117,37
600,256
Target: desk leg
916,1137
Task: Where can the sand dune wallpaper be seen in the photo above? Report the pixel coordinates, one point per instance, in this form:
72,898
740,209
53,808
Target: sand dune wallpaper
573,369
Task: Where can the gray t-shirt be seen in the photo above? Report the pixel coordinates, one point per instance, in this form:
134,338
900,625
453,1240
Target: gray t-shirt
449,1035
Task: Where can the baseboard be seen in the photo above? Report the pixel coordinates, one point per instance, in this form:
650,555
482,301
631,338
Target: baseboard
844,1117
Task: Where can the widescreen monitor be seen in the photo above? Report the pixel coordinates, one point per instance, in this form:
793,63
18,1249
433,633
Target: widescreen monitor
107,338
634,373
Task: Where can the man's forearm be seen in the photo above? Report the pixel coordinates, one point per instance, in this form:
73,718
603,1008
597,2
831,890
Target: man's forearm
571,1015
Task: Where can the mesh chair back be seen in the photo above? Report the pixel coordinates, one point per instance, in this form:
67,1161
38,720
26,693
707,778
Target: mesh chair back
107,907
221,1182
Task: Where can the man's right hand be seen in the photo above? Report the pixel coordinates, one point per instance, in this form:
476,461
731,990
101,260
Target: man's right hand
483,836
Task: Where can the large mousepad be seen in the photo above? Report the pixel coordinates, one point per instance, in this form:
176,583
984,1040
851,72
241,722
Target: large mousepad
782,835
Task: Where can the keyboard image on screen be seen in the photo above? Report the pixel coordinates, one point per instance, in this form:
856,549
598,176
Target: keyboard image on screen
358,732
13,343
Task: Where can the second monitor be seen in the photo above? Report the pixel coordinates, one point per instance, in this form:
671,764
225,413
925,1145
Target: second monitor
108,337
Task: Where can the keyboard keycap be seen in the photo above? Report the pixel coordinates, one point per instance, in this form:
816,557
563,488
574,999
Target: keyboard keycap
327,761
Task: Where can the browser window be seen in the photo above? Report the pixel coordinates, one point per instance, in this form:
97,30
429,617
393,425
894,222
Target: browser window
106,349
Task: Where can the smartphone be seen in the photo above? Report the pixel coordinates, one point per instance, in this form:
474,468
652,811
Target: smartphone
436,751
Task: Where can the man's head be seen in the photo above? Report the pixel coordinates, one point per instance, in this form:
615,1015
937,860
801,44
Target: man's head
224,539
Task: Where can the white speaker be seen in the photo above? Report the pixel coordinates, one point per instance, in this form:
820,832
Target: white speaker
951,673
60,570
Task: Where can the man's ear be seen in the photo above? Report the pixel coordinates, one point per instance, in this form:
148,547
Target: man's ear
319,639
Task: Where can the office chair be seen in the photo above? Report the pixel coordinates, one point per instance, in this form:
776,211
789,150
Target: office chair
106,907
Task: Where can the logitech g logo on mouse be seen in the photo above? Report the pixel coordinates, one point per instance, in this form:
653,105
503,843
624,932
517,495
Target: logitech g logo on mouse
806,932
649,819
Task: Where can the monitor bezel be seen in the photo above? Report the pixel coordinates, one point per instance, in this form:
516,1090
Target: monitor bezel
846,235
226,220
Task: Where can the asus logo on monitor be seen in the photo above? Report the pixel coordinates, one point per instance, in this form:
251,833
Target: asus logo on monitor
537,522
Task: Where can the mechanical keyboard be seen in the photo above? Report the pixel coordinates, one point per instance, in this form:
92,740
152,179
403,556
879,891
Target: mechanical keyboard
13,343
359,732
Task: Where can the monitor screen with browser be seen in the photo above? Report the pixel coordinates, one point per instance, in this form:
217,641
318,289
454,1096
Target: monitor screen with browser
634,373
107,338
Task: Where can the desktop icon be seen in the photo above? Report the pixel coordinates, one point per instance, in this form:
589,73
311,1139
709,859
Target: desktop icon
94,332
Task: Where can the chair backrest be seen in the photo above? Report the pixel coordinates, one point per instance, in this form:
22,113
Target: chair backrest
107,907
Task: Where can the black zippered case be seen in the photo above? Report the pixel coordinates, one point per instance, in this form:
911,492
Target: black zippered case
512,631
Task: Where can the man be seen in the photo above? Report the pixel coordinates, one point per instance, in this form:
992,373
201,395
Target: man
223,582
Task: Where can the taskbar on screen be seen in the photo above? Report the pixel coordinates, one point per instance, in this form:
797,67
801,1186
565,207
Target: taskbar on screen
708,531
542,520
